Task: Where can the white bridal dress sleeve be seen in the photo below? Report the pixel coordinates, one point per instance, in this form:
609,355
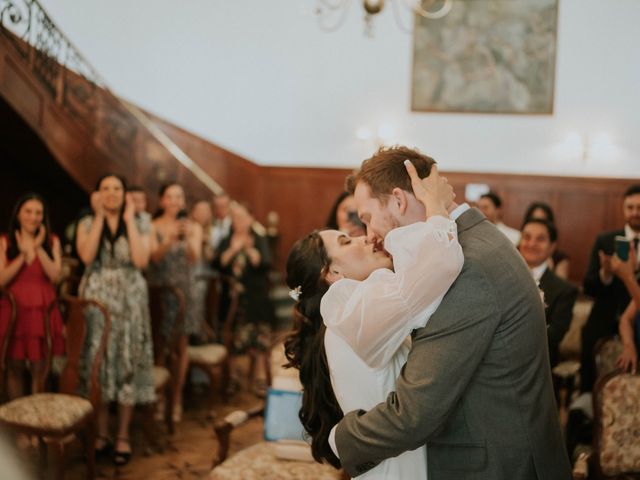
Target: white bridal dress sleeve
376,315
368,324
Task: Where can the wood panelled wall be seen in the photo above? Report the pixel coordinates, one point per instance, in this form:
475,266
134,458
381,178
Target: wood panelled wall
583,207
303,196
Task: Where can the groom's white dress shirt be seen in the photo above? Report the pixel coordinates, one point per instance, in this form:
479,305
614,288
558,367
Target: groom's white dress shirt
368,323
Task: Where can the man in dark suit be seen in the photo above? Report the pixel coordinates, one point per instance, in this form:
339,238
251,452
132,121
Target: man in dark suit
609,293
537,243
477,384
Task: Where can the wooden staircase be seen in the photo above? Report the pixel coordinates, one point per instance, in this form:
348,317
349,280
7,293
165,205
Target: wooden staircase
87,128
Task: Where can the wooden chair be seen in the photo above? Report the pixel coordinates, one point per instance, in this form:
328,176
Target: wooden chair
57,417
165,349
616,408
605,353
70,276
567,373
4,348
213,357
282,460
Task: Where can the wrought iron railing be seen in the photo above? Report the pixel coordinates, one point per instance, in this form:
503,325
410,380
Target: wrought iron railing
78,88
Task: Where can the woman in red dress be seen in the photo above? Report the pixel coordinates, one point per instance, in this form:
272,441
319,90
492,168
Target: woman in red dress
30,265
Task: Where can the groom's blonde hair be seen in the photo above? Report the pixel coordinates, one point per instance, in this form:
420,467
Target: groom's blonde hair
385,171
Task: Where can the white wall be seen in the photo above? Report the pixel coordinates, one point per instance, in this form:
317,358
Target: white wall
261,79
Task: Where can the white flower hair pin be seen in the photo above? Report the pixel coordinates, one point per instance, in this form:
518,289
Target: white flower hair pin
295,293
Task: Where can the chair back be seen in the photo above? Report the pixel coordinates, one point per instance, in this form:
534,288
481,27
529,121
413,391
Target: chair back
616,408
70,276
233,287
75,313
212,303
606,352
9,302
160,299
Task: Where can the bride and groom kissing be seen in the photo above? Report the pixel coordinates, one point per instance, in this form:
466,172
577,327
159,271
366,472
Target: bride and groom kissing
428,357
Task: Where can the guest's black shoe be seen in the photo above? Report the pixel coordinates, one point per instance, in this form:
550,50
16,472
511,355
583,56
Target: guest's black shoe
103,448
121,458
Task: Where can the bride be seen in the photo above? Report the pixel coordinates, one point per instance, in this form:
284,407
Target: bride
356,308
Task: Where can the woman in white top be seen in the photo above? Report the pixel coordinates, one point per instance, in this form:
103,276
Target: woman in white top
355,313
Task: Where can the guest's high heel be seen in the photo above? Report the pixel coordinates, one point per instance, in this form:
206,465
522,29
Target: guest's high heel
121,458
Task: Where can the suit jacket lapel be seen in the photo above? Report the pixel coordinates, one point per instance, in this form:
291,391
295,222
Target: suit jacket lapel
544,279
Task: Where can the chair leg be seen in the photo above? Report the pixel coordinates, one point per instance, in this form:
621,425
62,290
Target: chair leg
42,458
252,369
61,460
267,366
90,447
225,380
168,406
210,371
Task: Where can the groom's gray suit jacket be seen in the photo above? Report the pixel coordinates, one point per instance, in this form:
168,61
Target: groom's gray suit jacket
477,384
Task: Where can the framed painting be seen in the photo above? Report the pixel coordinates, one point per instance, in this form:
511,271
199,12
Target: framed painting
486,56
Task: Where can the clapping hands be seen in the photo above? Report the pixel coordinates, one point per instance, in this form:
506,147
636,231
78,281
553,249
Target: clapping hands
241,242
28,245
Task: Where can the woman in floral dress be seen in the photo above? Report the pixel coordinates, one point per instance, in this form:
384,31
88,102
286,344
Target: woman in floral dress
176,248
114,245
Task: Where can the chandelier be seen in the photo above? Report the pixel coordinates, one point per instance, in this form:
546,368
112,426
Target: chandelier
332,14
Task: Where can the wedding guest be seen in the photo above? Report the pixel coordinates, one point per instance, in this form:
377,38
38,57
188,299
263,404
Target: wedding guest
114,245
245,255
610,296
536,246
30,266
491,205
559,260
176,248
139,198
221,219
344,216
629,326
202,271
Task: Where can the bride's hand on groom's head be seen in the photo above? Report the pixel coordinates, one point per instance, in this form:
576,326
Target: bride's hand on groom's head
433,191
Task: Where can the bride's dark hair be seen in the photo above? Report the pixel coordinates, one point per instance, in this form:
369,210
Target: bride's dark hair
304,346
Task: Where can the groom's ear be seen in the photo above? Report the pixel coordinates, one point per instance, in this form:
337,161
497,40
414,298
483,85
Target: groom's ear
400,200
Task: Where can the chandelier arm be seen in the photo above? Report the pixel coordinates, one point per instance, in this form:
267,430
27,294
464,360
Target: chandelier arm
341,18
417,8
334,6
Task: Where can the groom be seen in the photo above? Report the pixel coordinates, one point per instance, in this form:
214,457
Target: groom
477,384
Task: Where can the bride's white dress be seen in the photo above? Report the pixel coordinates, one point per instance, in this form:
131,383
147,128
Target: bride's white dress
369,322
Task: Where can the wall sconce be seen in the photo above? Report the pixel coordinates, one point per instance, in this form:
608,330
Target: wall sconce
587,147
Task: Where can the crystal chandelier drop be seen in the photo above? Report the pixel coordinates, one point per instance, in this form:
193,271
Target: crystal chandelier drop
332,14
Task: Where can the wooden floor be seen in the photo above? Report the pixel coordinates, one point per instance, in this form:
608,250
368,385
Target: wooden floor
187,454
